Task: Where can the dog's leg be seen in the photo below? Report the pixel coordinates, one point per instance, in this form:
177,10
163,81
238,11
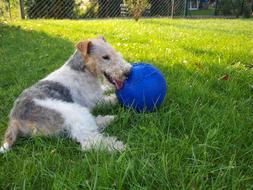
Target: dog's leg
111,99
107,88
104,121
100,141
10,136
81,125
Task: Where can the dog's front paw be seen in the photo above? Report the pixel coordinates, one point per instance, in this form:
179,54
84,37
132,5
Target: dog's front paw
104,121
119,146
111,99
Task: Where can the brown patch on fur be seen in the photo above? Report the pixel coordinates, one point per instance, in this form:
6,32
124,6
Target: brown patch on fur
32,127
12,132
94,53
92,67
36,129
83,47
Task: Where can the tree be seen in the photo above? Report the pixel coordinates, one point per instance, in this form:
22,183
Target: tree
136,7
235,7
109,8
50,8
164,7
160,7
247,8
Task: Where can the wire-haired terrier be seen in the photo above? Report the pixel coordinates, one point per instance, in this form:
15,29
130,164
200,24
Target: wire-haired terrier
62,102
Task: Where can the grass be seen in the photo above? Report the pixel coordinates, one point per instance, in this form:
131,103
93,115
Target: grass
204,12
200,138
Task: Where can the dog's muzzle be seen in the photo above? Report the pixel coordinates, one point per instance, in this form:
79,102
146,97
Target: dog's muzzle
117,83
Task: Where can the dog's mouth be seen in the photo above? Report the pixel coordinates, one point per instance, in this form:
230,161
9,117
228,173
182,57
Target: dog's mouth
117,83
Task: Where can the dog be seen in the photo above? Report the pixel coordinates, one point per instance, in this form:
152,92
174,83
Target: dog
62,102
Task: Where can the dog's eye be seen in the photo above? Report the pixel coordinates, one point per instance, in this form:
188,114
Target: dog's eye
106,57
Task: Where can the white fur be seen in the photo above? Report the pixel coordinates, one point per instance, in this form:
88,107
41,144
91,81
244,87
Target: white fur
81,125
84,87
77,119
103,121
4,148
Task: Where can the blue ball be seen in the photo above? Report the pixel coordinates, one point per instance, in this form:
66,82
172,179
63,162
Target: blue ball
144,90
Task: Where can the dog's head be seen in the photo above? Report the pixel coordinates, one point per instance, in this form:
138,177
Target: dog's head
101,59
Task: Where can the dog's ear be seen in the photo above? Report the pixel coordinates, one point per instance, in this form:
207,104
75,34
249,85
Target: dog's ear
84,47
102,38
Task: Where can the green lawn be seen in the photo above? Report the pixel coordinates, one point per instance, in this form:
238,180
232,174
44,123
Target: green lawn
204,12
200,138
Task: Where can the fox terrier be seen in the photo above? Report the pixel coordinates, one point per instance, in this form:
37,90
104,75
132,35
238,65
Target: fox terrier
62,102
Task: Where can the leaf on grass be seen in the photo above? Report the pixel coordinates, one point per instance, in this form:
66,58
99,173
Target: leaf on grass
198,65
224,77
52,151
250,66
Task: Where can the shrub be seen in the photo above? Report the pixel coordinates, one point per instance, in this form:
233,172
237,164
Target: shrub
230,7
164,7
86,9
160,7
50,8
235,7
109,8
136,7
247,8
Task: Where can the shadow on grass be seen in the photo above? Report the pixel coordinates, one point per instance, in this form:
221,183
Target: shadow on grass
26,57
202,52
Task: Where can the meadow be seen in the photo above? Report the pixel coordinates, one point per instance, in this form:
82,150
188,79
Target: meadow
200,138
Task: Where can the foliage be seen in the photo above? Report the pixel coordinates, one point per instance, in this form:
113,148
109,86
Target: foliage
235,7
164,7
50,8
248,8
2,9
136,7
9,9
202,12
86,9
160,7
109,8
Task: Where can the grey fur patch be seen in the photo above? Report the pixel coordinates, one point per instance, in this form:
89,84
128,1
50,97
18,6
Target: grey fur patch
76,62
46,120
51,89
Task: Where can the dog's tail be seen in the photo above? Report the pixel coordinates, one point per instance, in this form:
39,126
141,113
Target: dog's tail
10,136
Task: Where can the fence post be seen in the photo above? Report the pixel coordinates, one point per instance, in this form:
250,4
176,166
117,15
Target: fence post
172,8
216,7
251,6
22,9
185,8
242,7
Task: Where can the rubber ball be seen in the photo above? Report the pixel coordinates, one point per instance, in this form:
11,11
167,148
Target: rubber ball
144,89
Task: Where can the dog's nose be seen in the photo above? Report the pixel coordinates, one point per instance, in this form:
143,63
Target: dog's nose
126,73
